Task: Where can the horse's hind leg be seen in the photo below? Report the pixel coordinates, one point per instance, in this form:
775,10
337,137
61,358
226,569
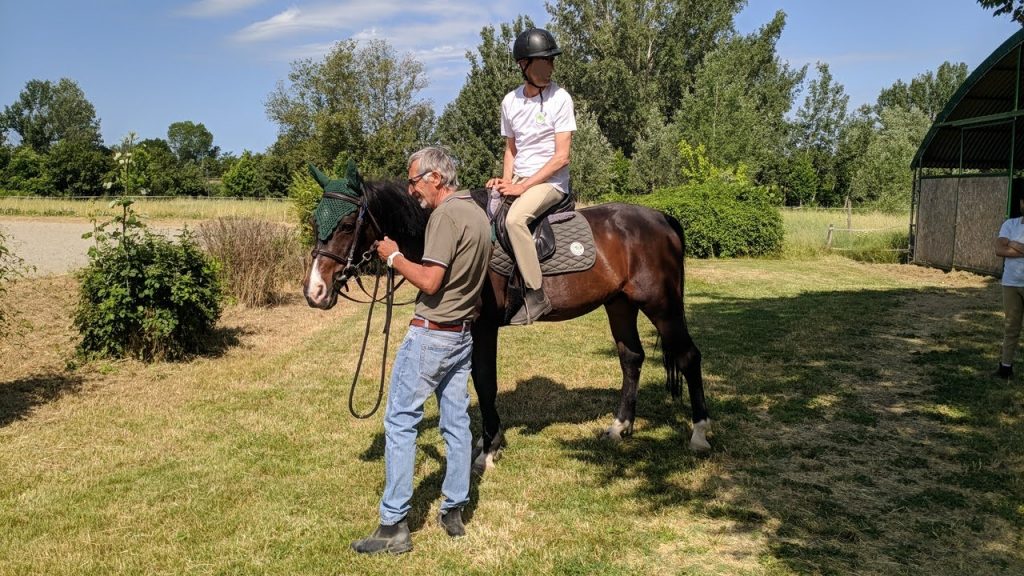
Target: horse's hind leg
622,318
682,356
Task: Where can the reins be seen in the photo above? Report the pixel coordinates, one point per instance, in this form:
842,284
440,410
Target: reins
350,271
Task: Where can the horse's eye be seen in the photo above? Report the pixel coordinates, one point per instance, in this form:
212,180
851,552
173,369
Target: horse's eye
347,227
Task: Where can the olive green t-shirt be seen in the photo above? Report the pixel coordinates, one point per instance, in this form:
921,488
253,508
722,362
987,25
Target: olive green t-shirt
458,237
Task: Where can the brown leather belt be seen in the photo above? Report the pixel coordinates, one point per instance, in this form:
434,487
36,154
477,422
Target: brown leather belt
424,323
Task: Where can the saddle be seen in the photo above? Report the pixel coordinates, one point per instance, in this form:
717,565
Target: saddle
543,236
564,242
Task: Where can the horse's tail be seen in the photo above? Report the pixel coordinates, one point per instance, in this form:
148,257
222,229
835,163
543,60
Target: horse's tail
670,342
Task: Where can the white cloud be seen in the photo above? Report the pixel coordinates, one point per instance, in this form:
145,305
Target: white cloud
335,17
427,20
211,8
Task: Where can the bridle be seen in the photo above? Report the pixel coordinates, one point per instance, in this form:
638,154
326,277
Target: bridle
350,270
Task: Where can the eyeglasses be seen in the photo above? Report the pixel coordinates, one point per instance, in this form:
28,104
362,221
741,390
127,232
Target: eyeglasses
418,177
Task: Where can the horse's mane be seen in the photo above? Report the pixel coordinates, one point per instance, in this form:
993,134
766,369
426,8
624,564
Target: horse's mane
399,215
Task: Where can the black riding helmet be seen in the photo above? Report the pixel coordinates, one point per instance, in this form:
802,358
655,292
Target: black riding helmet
534,43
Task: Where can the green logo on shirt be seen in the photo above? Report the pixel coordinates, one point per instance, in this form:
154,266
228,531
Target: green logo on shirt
539,118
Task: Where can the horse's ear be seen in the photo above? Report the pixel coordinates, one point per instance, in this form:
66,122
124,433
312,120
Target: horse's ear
319,176
355,181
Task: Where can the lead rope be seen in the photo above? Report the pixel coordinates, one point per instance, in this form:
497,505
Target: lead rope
390,302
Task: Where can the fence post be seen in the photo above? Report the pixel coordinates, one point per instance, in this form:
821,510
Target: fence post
849,214
828,238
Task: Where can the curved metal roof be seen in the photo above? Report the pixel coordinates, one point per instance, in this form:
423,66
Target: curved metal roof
978,118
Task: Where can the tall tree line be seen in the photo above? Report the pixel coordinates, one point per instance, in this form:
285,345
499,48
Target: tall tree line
650,79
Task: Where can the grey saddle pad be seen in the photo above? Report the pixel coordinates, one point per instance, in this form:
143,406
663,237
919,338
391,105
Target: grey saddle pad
574,250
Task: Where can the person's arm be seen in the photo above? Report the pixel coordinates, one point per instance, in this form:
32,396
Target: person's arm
506,167
427,276
563,147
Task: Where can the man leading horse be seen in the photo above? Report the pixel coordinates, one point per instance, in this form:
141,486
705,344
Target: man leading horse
434,358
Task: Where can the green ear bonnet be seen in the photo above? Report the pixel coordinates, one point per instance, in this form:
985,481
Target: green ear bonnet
330,211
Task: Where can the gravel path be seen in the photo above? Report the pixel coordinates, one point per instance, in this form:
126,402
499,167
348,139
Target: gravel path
53,246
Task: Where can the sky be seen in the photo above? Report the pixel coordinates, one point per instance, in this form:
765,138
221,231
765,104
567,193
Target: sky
147,64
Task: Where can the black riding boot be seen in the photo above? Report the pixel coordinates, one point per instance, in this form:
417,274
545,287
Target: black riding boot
393,539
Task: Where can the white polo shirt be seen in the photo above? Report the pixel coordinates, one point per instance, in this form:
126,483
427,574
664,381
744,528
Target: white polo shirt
1013,268
533,122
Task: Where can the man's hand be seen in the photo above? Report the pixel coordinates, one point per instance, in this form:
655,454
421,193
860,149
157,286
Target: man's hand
386,247
495,182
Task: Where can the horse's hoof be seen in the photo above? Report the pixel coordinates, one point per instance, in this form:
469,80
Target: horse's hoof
485,461
699,441
617,431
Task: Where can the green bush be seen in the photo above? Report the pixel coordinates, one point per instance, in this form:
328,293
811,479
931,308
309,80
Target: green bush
305,194
721,217
143,295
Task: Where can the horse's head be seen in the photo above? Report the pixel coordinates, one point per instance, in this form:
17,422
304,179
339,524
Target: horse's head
343,234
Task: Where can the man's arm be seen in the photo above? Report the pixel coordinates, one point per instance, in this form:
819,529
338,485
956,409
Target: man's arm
427,276
1009,248
507,164
563,148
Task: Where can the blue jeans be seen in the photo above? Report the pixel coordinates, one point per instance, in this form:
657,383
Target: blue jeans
428,362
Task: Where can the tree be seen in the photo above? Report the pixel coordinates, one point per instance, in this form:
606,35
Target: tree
470,124
190,142
245,178
46,113
883,177
819,122
26,173
77,168
928,92
656,161
625,58
741,95
592,157
1006,7
360,103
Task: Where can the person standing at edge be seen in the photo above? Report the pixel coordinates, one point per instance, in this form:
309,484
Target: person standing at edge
1009,245
435,355
537,121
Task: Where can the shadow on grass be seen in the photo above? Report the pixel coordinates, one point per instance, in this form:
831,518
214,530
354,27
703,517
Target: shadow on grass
220,341
18,398
862,424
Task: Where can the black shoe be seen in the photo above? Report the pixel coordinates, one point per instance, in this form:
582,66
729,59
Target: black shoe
393,539
1005,372
451,521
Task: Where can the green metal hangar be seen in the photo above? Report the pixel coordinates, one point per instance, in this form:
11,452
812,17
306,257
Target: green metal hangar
967,172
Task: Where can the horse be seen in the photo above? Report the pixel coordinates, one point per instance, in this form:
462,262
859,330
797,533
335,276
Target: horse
638,268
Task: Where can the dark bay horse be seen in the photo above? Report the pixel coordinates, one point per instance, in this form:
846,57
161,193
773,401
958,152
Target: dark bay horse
639,268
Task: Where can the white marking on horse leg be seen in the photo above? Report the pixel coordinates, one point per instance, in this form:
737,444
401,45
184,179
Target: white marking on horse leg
618,429
699,440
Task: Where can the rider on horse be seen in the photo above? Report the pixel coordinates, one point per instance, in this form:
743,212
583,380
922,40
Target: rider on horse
537,121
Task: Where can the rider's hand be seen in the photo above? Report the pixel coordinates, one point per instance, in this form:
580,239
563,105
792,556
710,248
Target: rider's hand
386,247
510,189
495,182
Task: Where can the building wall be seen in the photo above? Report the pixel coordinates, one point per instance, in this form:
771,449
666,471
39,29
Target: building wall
958,220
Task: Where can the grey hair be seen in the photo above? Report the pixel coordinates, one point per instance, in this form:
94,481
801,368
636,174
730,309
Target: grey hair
436,159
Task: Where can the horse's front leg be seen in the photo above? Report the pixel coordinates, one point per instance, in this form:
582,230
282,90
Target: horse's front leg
485,382
622,316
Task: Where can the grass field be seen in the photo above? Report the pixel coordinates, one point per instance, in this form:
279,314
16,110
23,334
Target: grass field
867,236
274,210
856,432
